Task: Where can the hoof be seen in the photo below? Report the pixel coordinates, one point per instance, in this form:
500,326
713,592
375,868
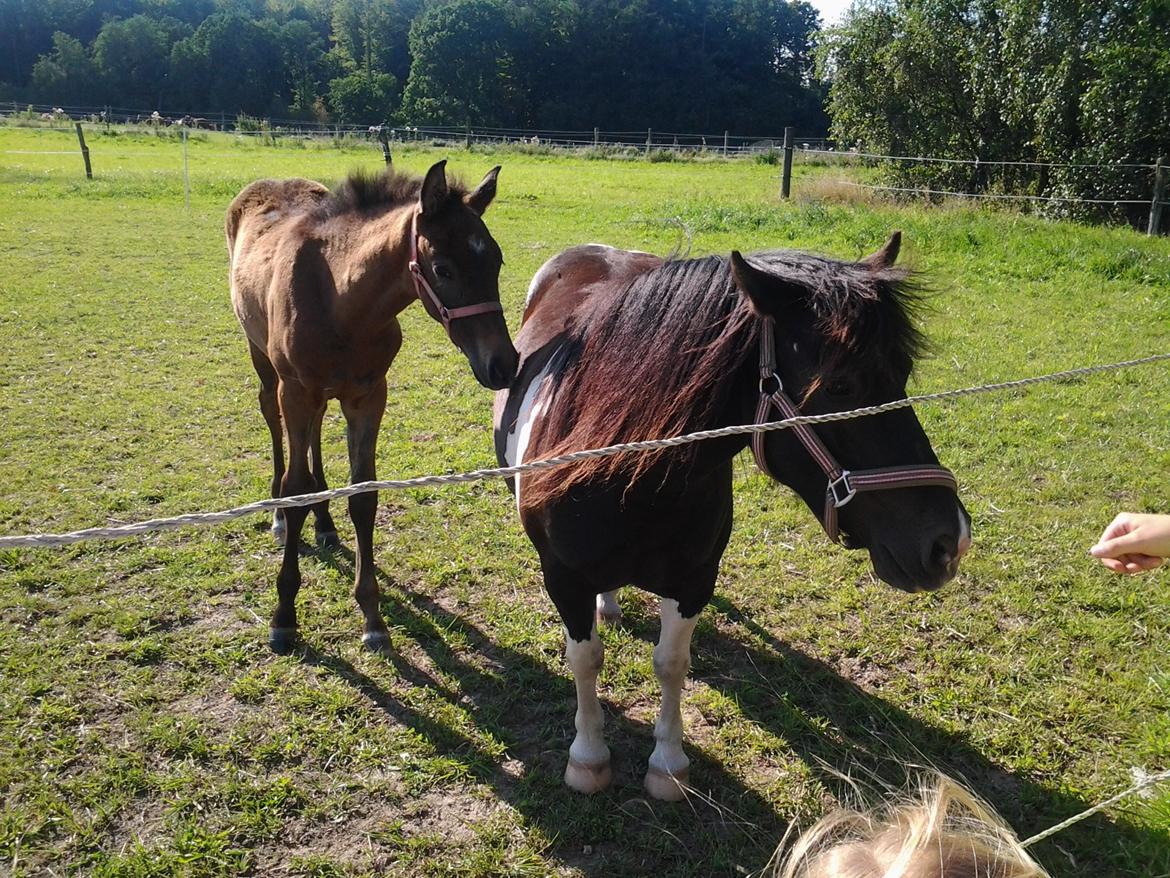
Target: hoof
282,640
279,533
587,779
377,641
329,540
666,787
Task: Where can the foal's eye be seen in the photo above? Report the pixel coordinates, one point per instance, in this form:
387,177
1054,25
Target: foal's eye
441,270
838,387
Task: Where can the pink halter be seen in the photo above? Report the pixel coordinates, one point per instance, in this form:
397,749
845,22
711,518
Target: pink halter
427,294
843,484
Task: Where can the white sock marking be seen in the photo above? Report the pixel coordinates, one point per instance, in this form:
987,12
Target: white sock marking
672,661
585,659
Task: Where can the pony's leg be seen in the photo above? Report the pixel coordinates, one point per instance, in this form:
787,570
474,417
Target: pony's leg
363,416
270,408
609,611
297,409
672,659
323,526
588,769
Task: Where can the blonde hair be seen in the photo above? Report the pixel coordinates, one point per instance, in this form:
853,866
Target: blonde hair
945,831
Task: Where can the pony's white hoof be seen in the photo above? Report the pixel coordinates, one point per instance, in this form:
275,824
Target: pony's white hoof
377,641
279,533
587,779
666,787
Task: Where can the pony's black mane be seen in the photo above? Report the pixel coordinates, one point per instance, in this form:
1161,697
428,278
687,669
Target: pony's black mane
368,192
678,333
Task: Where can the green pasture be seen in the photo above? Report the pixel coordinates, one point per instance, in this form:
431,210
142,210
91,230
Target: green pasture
145,728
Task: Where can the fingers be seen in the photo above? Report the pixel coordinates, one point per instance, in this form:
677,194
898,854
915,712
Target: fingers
1132,563
1122,524
1112,547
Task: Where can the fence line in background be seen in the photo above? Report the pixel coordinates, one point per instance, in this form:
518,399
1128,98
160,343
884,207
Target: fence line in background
479,475
918,158
989,195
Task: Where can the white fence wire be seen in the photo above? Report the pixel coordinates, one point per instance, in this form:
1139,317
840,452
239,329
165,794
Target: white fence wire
45,540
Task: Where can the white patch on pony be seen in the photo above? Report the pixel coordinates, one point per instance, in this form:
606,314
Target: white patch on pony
477,244
272,216
672,660
588,769
530,410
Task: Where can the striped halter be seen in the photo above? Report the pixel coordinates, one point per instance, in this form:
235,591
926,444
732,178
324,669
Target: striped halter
427,295
844,484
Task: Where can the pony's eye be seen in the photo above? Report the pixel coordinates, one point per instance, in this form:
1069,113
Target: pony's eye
441,270
838,387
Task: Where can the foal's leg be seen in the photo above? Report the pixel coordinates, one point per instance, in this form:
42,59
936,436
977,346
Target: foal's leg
588,769
609,611
271,411
326,530
672,659
363,416
298,408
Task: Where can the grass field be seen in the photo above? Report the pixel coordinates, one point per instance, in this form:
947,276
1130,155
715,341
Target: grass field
145,729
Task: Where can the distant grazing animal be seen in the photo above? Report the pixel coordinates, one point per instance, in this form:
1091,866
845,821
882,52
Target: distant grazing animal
619,346
317,282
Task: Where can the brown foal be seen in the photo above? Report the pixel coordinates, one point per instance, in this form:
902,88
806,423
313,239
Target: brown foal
317,281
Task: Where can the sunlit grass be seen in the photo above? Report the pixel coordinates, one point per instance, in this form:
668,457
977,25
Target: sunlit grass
145,728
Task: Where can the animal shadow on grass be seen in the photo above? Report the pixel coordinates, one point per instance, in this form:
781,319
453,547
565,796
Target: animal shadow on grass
725,827
796,696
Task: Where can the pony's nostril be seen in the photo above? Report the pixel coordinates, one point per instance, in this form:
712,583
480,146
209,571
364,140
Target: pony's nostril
943,553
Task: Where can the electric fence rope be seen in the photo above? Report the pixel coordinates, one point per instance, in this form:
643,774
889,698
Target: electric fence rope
45,540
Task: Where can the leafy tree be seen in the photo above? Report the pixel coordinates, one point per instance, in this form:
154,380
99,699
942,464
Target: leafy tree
230,63
132,57
462,67
65,75
362,97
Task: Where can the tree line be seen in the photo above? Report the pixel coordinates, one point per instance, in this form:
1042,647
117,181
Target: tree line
1074,83
682,65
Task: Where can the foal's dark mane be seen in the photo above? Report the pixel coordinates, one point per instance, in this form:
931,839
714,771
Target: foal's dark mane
365,191
659,358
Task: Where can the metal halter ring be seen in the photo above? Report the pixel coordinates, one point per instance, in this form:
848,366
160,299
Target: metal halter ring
841,489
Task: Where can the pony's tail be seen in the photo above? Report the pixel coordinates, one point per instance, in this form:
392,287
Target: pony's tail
944,831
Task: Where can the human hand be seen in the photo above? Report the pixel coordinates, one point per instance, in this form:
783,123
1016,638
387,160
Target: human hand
1134,542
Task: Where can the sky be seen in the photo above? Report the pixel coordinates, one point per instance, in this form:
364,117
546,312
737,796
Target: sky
830,10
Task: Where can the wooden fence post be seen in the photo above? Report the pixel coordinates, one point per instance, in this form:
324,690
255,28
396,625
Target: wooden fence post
786,179
467,137
596,137
725,144
1159,198
84,152
649,135
384,139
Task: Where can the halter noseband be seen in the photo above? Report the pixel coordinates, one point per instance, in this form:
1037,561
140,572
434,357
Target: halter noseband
843,484
427,294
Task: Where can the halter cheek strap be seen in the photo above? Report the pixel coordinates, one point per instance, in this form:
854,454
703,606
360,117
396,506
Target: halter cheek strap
843,484
427,295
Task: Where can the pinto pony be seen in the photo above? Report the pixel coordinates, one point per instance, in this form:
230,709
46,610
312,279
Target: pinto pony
317,282
619,346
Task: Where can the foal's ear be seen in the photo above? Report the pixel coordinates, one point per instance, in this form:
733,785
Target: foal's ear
769,296
434,189
887,255
484,192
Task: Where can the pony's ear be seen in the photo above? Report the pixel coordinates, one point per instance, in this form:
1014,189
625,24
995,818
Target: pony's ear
484,192
769,296
434,189
887,255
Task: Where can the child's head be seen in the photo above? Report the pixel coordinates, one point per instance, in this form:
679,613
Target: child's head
945,832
